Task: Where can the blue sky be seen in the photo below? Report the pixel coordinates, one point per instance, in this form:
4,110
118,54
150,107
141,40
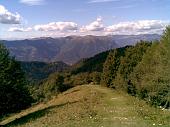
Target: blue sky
37,18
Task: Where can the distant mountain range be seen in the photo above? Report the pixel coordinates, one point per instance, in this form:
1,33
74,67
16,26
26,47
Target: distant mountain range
70,49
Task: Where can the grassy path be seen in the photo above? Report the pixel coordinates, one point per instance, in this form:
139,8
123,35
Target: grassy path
91,106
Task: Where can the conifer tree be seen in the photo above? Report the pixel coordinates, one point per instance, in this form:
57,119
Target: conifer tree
13,94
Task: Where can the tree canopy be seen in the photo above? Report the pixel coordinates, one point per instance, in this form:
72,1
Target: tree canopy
142,70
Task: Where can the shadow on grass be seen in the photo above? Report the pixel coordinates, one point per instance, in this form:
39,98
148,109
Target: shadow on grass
33,116
71,92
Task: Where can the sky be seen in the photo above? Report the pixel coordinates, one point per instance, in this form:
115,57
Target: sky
20,19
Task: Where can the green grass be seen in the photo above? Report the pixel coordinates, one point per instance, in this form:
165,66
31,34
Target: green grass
91,106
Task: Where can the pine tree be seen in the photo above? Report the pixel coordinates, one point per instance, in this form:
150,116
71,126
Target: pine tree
111,66
133,55
13,94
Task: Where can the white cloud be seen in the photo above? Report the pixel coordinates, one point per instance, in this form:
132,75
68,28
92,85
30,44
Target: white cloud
19,29
94,26
101,1
58,29
32,2
57,26
138,27
7,17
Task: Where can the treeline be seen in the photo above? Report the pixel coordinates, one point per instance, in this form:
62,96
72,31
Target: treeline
151,77
120,63
142,70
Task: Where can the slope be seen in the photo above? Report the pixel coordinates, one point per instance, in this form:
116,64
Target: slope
36,71
90,106
67,49
92,64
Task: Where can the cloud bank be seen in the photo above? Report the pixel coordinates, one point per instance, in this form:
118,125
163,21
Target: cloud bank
97,27
138,27
57,26
7,17
32,2
19,29
101,1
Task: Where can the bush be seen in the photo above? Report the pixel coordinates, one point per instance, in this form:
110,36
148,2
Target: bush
51,86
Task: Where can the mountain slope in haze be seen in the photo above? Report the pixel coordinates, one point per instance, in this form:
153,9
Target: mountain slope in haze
70,49
124,40
77,48
90,106
40,49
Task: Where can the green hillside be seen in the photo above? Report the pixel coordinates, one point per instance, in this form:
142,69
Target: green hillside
90,106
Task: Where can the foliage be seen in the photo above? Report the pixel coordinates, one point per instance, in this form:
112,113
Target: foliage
13,94
152,75
49,87
133,55
142,70
120,63
85,78
111,66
